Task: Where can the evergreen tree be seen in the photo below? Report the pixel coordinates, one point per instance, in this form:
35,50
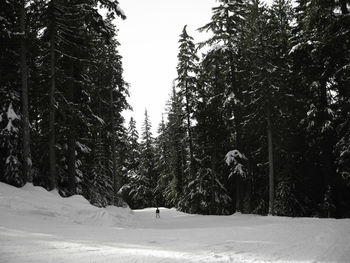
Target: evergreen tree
186,82
59,51
133,146
143,181
27,162
147,166
205,191
10,136
132,163
163,158
288,201
320,58
227,26
108,93
176,133
272,84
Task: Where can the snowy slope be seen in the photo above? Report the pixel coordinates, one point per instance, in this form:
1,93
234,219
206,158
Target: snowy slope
40,226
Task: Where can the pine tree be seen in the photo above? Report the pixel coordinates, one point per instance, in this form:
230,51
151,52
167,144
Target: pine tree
176,132
212,137
265,59
343,95
288,201
186,82
163,196
320,58
53,14
106,93
10,141
68,52
142,182
148,167
132,162
133,146
27,162
227,25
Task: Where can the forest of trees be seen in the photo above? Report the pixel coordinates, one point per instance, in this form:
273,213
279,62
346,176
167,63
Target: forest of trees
61,97
258,119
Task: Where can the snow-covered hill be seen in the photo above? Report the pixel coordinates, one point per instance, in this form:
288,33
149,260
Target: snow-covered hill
40,226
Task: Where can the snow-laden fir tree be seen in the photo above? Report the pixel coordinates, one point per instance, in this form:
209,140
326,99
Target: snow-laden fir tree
133,159
175,136
142,182
26,156
186,84
132,164
164,193
205,191
227,25
13,80
320,57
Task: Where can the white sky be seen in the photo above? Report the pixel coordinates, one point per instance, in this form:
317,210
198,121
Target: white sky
149,46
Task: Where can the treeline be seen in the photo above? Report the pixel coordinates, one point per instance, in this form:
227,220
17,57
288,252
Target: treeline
61,97
259,122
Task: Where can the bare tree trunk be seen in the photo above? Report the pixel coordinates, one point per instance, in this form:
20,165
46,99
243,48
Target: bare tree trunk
71,161
52,151
71,140
27,163
212,179
116,181
271,173
239,188
180,164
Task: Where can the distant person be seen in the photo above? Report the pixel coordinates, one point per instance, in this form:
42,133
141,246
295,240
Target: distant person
157,213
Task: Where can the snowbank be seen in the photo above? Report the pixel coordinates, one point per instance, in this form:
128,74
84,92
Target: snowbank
39,226
38,203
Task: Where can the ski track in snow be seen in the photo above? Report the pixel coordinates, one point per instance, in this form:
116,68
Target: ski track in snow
39,226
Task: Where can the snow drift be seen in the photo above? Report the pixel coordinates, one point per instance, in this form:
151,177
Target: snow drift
37,202
40,226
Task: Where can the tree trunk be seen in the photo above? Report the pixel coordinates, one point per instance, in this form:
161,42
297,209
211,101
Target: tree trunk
249,190
99,156
212,182
239,188
271,173
71,139
212,193
71,161
238,130
116,180
190,141
27,163
180,164
52,109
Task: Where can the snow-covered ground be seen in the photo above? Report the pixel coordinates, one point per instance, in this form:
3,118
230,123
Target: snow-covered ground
39,226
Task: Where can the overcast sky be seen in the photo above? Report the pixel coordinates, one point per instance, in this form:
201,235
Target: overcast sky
149,46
